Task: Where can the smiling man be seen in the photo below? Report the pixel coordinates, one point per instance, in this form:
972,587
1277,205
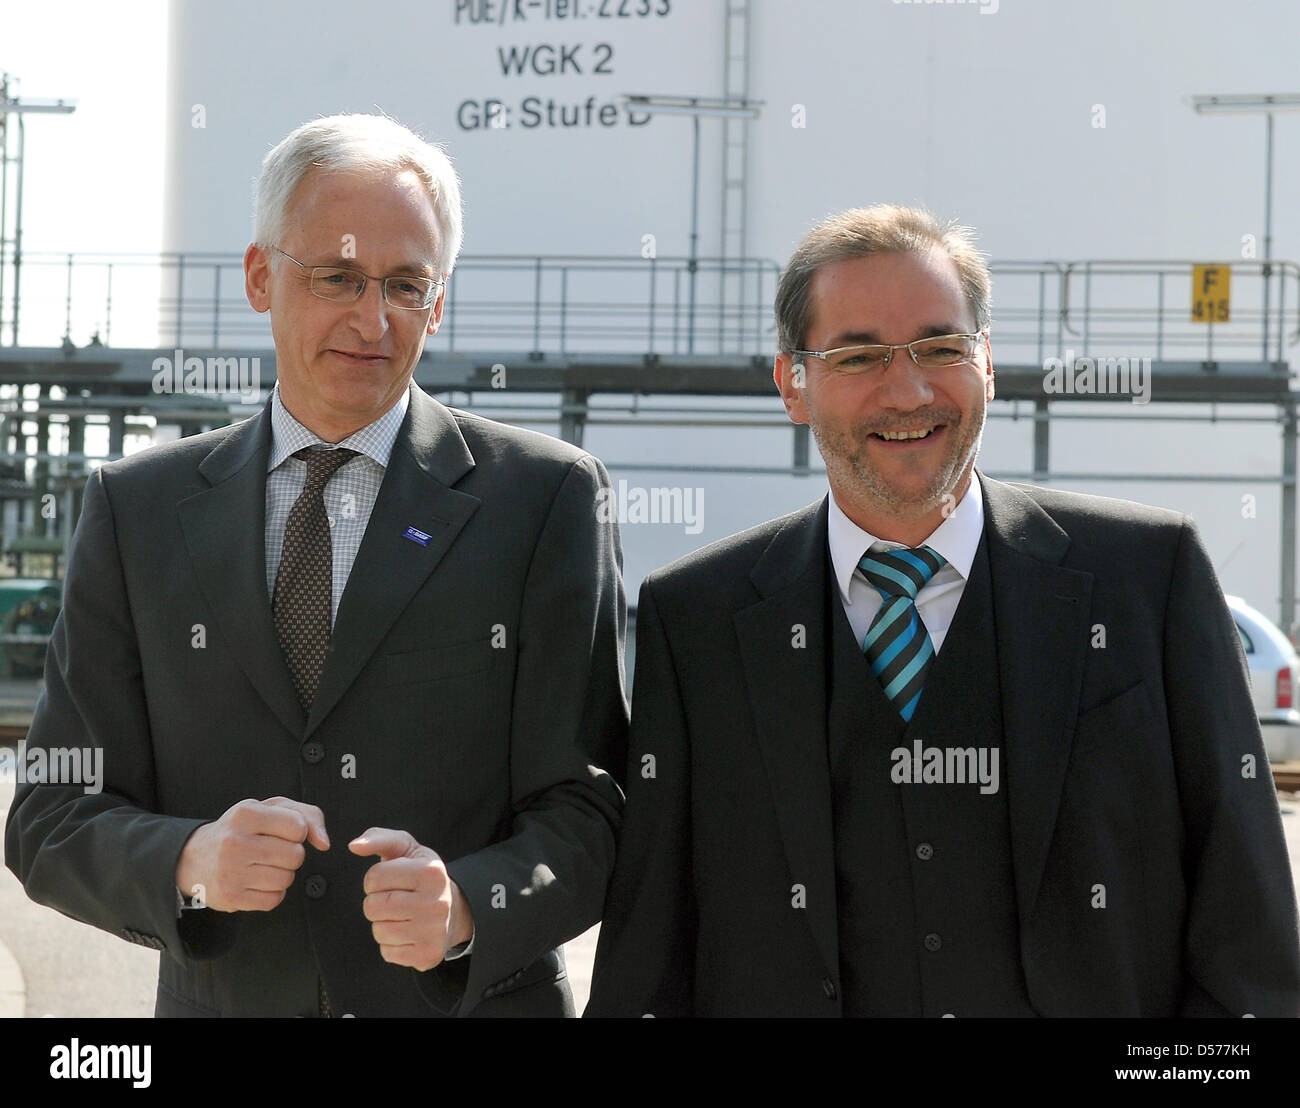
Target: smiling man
939,745
354,663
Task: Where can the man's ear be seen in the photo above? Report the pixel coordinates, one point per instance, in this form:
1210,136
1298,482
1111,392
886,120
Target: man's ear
435,317
791,382
257,278
988,382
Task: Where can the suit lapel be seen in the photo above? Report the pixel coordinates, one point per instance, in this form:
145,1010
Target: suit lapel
1041,612
787,692
429,455
229,555
229,558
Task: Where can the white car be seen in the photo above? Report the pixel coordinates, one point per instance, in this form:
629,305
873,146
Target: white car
1274,679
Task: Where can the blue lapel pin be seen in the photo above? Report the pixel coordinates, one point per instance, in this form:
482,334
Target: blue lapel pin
416,535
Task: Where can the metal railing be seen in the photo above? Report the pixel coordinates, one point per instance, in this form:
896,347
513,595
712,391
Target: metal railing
541,304
1103,302
573,305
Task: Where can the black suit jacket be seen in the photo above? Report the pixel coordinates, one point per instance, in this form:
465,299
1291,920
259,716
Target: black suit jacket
473,687
1132,753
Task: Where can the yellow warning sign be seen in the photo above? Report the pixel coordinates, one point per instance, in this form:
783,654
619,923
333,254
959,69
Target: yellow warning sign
1211,293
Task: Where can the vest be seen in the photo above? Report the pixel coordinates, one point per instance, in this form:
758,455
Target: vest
925,889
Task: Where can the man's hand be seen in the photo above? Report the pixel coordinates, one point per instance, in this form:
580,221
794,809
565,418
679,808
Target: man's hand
416,911
246,860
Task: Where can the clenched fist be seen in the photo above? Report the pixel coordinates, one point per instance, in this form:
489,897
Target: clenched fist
416,911
246,860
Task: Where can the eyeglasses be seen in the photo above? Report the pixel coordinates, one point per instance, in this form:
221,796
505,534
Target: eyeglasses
412,294
929,353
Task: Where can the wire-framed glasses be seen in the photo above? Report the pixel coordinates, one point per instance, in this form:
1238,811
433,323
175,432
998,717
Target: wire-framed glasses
412,294
933,352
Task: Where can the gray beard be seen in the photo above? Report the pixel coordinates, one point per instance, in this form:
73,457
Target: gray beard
846,462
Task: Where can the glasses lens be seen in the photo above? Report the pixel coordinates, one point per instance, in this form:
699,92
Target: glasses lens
408,292
337,284
943,350
858,359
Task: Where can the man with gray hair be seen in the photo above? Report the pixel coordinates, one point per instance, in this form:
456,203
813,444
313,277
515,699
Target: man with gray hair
354,663
938,745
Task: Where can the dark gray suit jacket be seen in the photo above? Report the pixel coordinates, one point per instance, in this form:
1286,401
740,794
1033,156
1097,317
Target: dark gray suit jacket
1140,759
473,687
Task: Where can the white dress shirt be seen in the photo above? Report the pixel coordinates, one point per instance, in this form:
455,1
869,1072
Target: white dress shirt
956,538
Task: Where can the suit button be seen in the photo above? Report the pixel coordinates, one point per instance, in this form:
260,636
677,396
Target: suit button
316,886
828,987
313,752
932,941
924,851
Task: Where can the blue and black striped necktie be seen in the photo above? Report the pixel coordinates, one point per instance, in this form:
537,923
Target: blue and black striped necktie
897,645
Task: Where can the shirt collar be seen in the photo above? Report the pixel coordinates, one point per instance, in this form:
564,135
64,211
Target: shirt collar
375,440
956,538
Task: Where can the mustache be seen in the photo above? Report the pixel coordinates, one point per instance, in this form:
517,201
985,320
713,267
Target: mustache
924,417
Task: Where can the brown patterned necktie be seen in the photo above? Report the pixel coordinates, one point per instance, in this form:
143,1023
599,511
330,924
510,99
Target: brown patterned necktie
304,584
